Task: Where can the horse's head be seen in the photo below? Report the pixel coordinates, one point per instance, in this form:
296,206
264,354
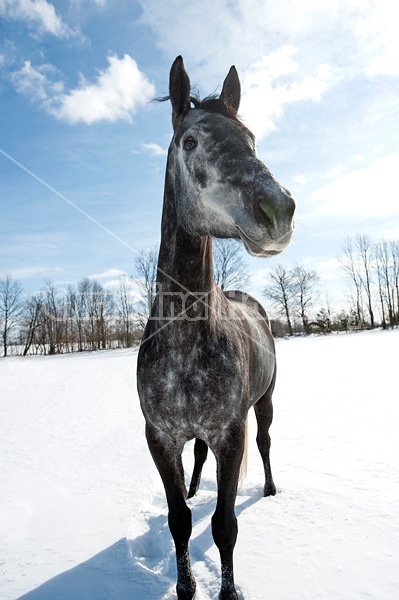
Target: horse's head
221,187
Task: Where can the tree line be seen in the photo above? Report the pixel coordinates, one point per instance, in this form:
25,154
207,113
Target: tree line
372,272
88,316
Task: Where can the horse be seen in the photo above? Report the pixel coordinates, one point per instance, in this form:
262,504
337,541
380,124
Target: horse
208,356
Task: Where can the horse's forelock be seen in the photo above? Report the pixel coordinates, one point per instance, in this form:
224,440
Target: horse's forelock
214,104
211,104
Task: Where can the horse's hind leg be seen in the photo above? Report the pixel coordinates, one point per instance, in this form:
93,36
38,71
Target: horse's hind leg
264,416
200,454
170,467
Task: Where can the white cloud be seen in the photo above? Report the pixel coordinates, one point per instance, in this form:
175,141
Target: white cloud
327,268
266,90
282,55
107,274
333,41
369,192
114,278
242,31
98,2
34,83
132,291
155,149
337,170
27,272
112,285
379,32
301,179
40,14
116,94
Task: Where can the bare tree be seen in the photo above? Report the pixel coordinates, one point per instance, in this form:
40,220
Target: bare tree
146,269
99,303
126,306
350,266
230,269
31,321
11,308
387,259
82,312
381,288
395,276
364,246
304,292
74,309
281,293
52,318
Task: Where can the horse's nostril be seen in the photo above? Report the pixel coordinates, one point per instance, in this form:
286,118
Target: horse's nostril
266,208
280,207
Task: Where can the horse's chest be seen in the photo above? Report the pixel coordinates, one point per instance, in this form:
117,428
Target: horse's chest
191,389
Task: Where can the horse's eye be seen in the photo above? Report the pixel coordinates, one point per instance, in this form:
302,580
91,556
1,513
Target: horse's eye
189,144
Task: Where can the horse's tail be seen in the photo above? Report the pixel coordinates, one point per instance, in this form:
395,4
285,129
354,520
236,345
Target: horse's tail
244,462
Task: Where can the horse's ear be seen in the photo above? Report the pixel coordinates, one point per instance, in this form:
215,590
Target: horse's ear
179,92
231,92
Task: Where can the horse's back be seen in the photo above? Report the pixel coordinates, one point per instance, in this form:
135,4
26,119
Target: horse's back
248,301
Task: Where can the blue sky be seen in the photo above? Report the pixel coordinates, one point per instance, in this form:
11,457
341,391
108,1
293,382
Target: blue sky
83,151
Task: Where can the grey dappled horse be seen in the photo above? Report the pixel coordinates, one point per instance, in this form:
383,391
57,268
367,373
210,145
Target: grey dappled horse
206,356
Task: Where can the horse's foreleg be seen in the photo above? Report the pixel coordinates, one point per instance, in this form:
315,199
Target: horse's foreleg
200,454
264,416
229,455
169,464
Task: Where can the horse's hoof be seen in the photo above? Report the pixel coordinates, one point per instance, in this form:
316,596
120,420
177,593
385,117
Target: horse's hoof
191,493
270,490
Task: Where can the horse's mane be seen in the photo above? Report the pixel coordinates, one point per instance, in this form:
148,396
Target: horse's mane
212,104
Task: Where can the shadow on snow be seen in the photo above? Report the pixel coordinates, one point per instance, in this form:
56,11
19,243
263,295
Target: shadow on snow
112,574
143,567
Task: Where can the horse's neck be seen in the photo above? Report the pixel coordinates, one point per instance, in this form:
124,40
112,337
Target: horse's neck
185,263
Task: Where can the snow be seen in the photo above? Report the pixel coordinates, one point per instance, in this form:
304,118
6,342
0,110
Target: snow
82,508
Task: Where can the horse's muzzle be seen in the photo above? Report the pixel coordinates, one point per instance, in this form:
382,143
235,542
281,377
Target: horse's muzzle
275,223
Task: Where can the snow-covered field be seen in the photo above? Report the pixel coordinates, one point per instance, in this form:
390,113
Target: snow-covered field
82,509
